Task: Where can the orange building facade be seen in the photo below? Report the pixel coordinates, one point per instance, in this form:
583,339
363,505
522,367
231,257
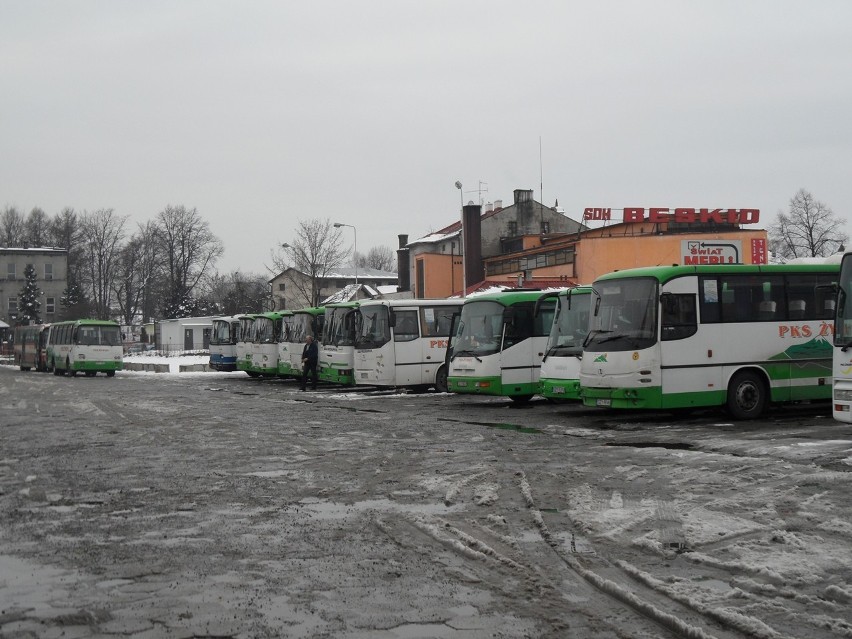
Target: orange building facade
558,259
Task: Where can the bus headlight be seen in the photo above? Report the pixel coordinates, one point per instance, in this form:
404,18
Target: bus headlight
842,395
81,356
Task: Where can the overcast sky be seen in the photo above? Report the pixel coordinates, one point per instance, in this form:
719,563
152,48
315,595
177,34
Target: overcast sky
260,114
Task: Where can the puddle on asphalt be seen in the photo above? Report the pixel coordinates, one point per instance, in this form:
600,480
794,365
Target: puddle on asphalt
667,445
337,510
515,427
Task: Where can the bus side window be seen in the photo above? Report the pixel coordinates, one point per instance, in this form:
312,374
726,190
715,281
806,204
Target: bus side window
679,318
709,292
405,329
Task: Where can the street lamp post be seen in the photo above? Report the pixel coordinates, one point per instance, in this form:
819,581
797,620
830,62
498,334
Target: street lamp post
337,225
461,239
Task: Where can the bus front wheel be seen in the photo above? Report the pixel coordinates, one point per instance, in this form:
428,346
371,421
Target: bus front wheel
747,395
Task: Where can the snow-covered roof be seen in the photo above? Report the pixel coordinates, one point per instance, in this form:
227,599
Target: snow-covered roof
346,272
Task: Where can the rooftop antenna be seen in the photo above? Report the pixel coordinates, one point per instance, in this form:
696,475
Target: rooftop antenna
540,173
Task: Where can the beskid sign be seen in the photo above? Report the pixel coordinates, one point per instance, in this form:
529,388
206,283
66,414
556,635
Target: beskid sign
634,215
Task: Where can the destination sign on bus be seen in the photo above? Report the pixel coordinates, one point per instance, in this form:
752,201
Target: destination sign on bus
634,215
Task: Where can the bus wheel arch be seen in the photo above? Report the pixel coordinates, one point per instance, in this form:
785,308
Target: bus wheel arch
441,384
748,394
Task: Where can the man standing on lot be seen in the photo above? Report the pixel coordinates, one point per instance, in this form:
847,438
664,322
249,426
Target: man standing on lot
310,355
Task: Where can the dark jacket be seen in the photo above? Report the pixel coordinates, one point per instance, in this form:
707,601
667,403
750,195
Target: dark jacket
311,352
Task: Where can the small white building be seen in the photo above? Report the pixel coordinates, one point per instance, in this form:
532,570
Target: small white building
183,334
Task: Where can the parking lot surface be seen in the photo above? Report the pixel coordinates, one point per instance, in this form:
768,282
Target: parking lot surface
214,505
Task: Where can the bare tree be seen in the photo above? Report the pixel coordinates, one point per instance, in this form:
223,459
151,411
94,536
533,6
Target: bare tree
11,227
188,249
37,228
66,232
808,229
380,258
238,292
314,253
135,275
104,232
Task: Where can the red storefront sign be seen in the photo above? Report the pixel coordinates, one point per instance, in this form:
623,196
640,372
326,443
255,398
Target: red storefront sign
685,215
759,254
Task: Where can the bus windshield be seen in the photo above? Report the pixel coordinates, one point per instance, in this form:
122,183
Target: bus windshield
264,330
301,325
373,329
843,321
624,316
340,327
571,326
221,332
99,335
480,329
246,329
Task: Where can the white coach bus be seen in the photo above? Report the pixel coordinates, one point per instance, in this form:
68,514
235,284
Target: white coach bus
402,343
690,336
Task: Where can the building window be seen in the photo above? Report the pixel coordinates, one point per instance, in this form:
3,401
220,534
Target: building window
513,228
545,227
10,271
50,305
12,305
48,271
282,286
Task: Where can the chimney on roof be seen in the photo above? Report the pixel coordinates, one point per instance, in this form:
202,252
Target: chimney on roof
403,264
498,204
472,251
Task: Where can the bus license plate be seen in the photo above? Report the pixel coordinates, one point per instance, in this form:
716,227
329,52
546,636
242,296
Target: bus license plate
462,383
558,390
604,402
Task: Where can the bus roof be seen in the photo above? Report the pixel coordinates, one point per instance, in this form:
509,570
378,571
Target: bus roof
508,298
666,273
88,322
311,310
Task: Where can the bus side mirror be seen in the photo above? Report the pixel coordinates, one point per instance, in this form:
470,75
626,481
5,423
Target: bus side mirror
508,315
669,303
391,318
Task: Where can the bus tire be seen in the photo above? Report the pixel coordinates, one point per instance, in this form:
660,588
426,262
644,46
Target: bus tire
747,395
441,380
520,399
110,373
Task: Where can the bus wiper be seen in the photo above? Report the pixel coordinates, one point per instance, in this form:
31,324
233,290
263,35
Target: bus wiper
591,335
611,338
468,353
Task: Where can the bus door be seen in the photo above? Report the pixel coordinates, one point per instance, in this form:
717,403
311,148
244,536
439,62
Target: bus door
691,354
518,362
408,348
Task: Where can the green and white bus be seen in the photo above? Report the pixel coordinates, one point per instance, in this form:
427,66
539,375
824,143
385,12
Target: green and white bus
267,330
842,402
403,343
242,348
560,367
337,351
695,336
499,344
85,346
303,322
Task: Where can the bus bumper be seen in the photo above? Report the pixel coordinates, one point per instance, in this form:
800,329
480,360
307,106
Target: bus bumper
559,388
344,376
490,386
650,397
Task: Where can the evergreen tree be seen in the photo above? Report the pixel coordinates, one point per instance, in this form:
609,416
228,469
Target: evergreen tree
29,305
